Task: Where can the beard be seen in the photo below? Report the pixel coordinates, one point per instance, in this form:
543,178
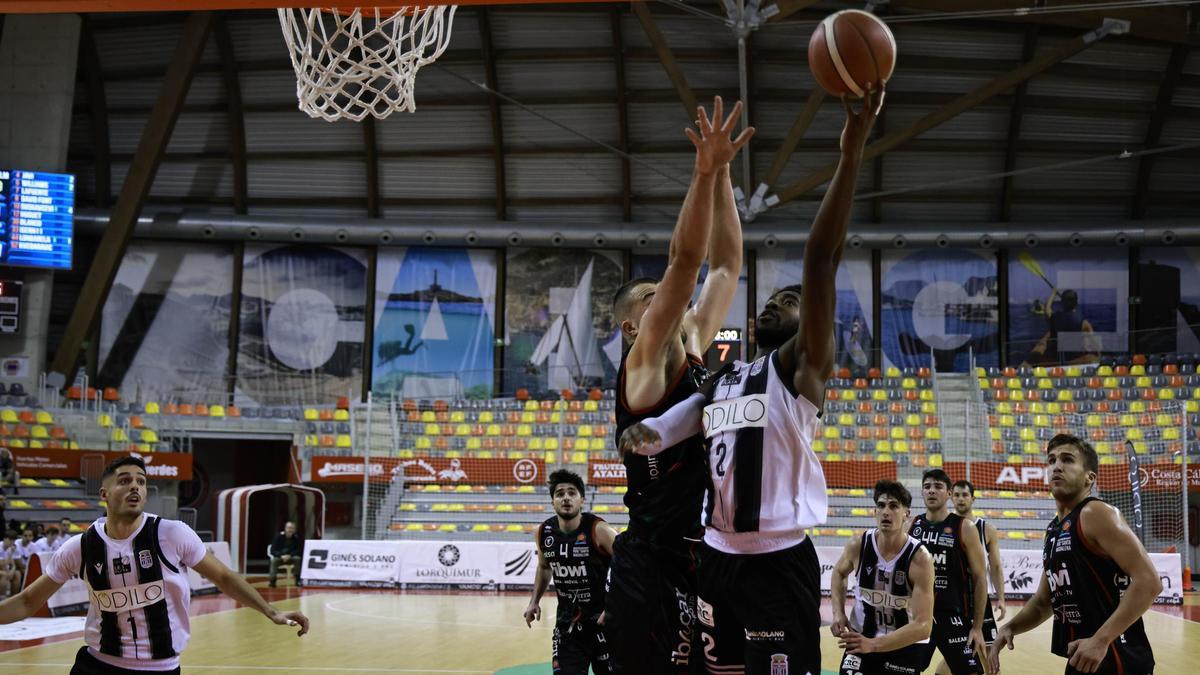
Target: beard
773,337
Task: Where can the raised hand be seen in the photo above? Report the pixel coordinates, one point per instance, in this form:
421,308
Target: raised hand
859,123
714,145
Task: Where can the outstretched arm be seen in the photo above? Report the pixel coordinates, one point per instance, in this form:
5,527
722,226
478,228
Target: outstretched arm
655,434
660,325
724,266
808,356
24,604
232,584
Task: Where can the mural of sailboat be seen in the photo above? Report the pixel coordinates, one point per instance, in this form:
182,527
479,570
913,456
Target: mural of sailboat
569,346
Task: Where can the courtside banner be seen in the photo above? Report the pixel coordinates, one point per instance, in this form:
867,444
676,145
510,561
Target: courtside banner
1036,477
519,563
342,562
1023,571
828,557
467,564
52,463
436,470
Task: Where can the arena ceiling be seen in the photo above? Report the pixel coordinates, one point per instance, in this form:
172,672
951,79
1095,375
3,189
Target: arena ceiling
570,116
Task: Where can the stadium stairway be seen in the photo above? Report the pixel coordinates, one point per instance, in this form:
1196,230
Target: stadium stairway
959,403
47,500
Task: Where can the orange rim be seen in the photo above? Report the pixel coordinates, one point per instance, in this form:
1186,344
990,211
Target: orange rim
370,11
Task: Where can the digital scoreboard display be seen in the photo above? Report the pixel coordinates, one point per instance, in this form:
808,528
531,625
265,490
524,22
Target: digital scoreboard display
726,347
37,214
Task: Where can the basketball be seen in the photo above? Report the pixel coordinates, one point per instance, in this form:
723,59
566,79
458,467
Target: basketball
850,50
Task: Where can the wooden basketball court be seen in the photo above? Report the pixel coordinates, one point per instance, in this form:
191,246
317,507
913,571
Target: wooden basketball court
390,632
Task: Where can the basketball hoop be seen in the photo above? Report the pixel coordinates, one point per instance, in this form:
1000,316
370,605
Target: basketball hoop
362,61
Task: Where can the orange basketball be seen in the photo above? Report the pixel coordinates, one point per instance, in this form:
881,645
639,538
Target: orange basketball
849,50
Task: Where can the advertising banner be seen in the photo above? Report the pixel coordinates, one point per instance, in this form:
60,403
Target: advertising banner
48,463
1036,477
605,472
443,563
342,562
440,470
1023,570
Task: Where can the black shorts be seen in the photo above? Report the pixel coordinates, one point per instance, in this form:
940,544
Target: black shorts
650,607
990,629
908,660
951,636
576,646
86,664
761,611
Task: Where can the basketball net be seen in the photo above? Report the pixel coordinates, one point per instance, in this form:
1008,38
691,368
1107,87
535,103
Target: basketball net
362,61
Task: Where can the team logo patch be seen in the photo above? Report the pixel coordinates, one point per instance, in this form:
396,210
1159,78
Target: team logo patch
145,559
548,542
916,532
1067,526
581,537
779,664
99,568
901,577
948,530
704,612
754,370
122,565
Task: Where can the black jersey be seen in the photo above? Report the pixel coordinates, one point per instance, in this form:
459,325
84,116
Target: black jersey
1085,588
578,565
666,490
952,581
884,589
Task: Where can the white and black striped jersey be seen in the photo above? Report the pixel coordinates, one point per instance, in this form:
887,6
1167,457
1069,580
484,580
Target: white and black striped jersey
766,485
884,588
138,587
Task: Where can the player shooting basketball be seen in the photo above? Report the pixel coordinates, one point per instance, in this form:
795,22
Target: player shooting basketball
759,600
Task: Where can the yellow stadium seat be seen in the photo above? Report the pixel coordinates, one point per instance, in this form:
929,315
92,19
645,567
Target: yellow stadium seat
1163,420
818,445
879,395
882,447
38,431
1074,371
528,417
1142,382
599,444
980,371
1093,420
550,457
311,440
535,443
525,489
341,415
551,444
16,443
1191,406
995,433
516,454
1041,421
883,458
428,416
532,405
104,420
584,430
343,441
1103,447
1140,447
310,414
834,457
897,433
462,429
152,408
43,417
933,434
928,408
1137,407
1065,395
1031,448
1109,383
1133,434
118,436
892,371
1014,534
148,436
591,406
1108,460
1045,383
935,461
1040,371
913,420
579,458
216,411
450,527
1128,420
424,443
493,430
831,433
457,416
984,384
1027,434
483,454
1053,408
908,383
555,418
524,430
1166,394
845,420
36,444
1018,395
486,417
1171,434
1037,408
900,446
1136,370
474,443
927,395
1014,383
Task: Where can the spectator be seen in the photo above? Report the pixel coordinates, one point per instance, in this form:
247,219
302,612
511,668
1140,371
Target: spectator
64,526
25,547
286,549
10,576
49,543
8,471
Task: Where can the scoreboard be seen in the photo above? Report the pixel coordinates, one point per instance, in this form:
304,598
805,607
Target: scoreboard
726,347
37,213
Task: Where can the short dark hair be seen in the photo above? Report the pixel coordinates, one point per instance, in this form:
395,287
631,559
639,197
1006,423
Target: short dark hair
52,530
10,534
894,489
623,295
565,476
1090,460
1070,300
966,484
798,289
938,475
129,460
